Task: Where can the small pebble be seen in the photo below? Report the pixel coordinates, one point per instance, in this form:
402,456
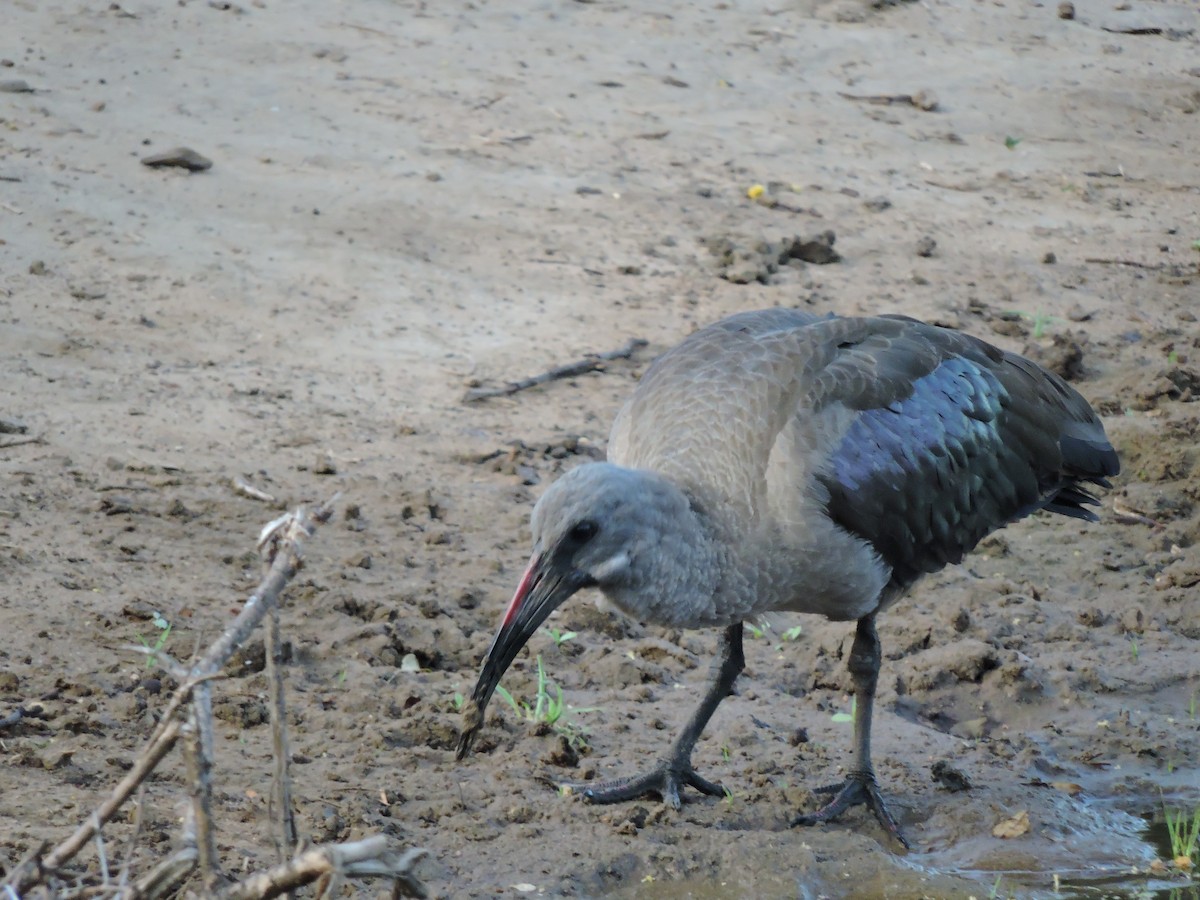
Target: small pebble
926,246
926,100
1050,259
325,464
180,158
1066,10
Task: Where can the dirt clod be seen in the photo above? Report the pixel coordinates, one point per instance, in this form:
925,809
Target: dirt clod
180,158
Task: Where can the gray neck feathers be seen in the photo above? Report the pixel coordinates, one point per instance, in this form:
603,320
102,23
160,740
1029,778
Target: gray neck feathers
683,573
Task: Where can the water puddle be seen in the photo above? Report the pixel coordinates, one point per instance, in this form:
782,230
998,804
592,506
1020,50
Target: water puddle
1073,869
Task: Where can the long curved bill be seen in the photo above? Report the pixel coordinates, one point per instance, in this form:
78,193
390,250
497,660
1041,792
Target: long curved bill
542,589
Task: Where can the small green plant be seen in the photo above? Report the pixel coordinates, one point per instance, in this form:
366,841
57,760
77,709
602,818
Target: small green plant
995,892
757,631
1192,706
1173,357
559,637
1133,647
846,717
164,632
457,701
1011,142
1183,830
548,710
791,634
728,796
1196,245
725,754
576,735
1039,320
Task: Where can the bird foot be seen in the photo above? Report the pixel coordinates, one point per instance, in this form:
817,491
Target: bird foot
666,779
858,788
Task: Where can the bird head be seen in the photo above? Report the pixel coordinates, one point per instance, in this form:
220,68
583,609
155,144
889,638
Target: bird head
600,525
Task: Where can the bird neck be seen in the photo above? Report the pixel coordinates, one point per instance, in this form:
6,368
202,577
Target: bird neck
685,576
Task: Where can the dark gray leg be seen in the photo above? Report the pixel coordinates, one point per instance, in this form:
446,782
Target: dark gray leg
860,785
675,771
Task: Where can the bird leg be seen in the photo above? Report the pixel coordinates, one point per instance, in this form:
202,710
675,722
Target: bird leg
860,786
674,771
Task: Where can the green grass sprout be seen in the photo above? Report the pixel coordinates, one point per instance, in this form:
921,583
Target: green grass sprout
164,632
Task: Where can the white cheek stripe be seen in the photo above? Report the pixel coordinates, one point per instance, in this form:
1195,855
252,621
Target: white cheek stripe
610,567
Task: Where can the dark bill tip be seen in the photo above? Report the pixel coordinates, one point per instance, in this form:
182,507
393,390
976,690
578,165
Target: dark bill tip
543,588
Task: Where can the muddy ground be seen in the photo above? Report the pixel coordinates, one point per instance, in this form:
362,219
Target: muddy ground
410,199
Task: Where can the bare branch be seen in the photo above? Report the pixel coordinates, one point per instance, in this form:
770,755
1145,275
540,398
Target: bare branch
282,541
289,530
131,844
589,363
17,442
198,751
28,871
246,489
164,878
369,858
281,788
146,762
101,855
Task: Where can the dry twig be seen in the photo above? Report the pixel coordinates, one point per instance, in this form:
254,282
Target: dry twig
589,363
246,489
281,788
171,872
371,857
280,543
921,99
198,751
146,762
19,441
1133,263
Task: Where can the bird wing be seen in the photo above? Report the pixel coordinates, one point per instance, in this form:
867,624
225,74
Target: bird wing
937,439
917,439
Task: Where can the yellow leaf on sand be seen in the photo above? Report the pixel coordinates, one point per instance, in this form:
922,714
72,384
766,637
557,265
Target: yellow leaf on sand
1014,827
1069,788
755,191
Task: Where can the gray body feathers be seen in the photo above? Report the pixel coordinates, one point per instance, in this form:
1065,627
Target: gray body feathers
829,463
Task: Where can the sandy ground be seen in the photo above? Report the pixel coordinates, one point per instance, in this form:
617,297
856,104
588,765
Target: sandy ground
408,199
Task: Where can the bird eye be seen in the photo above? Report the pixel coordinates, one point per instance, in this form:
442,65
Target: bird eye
583,531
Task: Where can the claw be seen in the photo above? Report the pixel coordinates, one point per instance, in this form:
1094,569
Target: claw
666,779
859,788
